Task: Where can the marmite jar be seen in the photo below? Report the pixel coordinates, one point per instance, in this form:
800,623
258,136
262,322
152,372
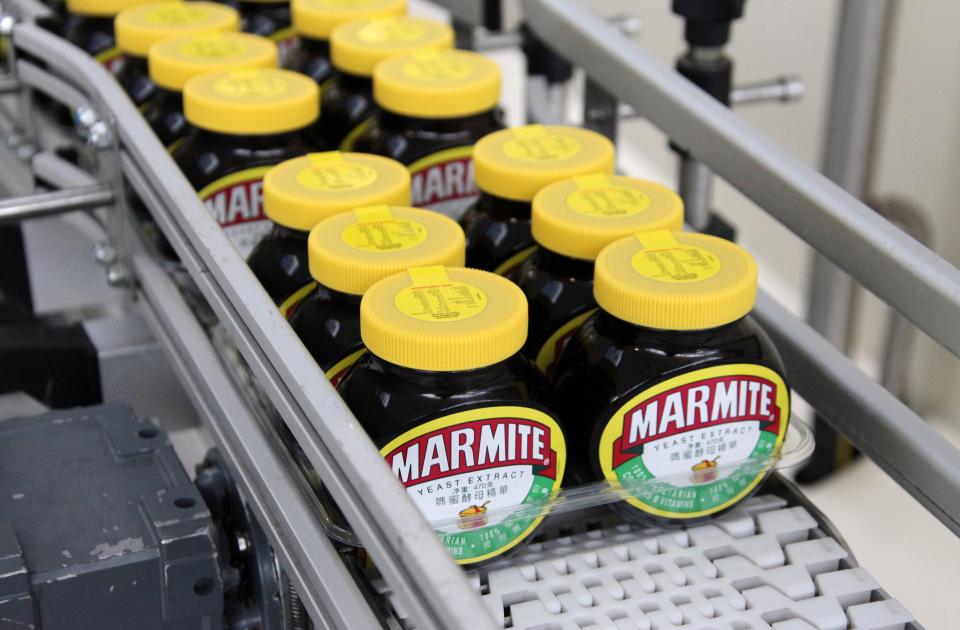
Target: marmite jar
355,48
673,390
140,27
573,220
174,61
510,167
314,21
89,26
303,191
245,121
460,416
270,19
349,253
434,105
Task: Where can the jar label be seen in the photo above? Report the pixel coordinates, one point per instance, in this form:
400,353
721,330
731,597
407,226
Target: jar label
289,305
211,46
433,297
697,443
665,259
467,470
550,352
240,84
596,196
329,172
341,367
176,15
236,202
510,264
378,230
444,181
533,143
112,59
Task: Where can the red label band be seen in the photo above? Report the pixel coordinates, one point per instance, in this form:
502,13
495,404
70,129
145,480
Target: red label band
474,446
446,181
237,204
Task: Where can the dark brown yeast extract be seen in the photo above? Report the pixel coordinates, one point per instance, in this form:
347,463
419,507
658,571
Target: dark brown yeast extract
572,221
270,19
461,418
89,26
244,122
433,106
300,193
670,387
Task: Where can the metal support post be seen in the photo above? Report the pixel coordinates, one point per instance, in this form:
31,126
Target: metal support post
856,81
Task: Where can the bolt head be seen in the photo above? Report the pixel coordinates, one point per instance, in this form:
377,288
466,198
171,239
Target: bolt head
104,253
84,116
6,25
118,276
99,135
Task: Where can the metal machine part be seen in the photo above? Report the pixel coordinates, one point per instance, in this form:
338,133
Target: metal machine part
109,531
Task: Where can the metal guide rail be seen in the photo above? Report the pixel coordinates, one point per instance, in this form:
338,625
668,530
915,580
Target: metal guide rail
416,570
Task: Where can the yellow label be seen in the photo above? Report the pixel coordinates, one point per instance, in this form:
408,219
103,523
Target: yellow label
210,47
434,297
341,367
377,230
534,144
290,304
236,202
510,264
697,443
390,31
665,259
430,65
468,472
241,84
175,15
329,172
550,351
597,197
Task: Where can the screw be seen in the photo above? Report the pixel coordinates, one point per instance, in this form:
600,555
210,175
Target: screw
104,253
84,116
118,275
99,135
6,25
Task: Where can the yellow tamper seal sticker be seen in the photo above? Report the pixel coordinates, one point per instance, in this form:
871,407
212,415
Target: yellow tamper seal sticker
329,172
664,259
433,297
597,196
533,143
378,230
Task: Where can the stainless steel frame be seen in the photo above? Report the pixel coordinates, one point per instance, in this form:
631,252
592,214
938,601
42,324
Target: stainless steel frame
413,562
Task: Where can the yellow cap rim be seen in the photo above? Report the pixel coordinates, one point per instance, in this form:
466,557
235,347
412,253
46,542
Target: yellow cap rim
302,192
172,62
251,101
579,216
437,84
102,8
318,18
675,280
516,163
452,344
356,47
352,251
138,28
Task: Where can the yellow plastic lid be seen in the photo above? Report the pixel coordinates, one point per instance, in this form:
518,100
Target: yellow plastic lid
351,251
516,163
251,101
302,192
437,84
579,216
444,319
357,47
175,61
675,280
102,8
138,28
317,18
